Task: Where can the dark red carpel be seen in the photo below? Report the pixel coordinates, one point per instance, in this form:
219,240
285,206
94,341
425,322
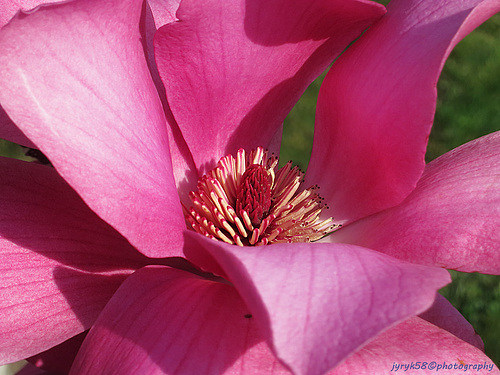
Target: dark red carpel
254,193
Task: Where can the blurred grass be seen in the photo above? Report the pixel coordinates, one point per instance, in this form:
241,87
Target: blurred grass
468,107
469,92
477,297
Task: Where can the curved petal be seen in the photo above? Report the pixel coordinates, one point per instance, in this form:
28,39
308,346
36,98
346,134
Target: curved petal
184,170
422,347
166,321
445,316
60,262
450,220
310,296
377,103
10,132
74,78
233,70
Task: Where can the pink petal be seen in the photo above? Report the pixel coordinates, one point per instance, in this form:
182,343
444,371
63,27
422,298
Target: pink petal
166,321
233,70
60,262
422,344
184,170
450,220
376,106
10,132
310,296
74,78
9,8
444,315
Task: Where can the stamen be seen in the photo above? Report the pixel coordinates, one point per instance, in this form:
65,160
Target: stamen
245,201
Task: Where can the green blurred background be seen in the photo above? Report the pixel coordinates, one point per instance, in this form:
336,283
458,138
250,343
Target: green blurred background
468,107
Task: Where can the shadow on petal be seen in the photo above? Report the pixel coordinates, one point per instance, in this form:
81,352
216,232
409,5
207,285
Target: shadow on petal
87,293
168,321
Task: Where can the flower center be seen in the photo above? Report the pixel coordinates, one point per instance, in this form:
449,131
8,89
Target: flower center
244,201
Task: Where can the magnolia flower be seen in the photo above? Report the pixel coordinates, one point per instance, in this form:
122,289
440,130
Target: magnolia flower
132,124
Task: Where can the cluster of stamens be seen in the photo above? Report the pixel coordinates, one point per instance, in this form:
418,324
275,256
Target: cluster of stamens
244,201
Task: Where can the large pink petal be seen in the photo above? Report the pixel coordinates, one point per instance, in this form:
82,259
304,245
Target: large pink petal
450,220
377,103
310,296
60,262
233,70
166,321
444,315
422,345
74,78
